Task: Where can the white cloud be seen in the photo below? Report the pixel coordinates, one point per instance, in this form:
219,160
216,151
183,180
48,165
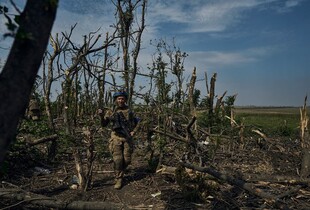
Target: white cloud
219,16
222,58
292,3
283,6
212,15
204,16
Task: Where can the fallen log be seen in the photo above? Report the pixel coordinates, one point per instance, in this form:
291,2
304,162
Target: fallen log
249,187
51,189
25,198
293,180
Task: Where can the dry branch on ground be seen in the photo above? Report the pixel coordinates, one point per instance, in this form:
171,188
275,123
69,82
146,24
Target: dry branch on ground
27,198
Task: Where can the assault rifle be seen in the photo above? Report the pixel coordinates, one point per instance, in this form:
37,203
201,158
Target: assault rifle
121,124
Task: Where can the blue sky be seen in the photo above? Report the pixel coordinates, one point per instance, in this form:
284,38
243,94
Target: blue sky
260,49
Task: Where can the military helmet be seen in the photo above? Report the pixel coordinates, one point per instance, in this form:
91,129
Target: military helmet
121,93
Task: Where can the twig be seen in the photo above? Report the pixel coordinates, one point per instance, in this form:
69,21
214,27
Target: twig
289,192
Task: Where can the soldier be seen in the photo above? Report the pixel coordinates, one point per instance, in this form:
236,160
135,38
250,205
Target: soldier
124,125
33,109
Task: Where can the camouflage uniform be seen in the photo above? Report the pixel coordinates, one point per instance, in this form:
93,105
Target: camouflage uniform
33,109
120,143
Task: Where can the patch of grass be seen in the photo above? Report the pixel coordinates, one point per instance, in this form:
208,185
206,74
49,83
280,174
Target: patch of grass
273,121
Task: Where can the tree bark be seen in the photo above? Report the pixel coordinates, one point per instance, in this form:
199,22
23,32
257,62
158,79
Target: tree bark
20,70
305,141
211,96
192,83
79,169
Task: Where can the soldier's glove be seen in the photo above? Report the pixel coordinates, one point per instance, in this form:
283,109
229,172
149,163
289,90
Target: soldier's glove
100,112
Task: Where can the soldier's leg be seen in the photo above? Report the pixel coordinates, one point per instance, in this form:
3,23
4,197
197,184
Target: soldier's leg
128,149
116,148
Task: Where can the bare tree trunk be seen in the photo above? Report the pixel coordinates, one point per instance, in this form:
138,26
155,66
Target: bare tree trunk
17,78
305,141
66,100
79,169
179,73
211,101
136,54
192,107
219,101
91,155
48,79
76,99
47,83
212,93
207,86
125,21
101,84
58,46
304,119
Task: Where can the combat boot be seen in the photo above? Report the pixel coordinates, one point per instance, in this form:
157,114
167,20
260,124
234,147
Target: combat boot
118,183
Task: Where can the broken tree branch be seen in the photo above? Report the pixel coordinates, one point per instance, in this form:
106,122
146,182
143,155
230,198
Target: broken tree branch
292,180
239,183
173,136
43,140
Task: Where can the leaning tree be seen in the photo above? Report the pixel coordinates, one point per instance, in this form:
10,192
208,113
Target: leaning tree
17,78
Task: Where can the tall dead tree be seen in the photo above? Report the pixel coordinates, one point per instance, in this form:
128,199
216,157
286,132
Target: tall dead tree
58,45
130,36
79,61
176,66
177,70
211,94
191,93
17,78
125,16
210,99
102,74
136,51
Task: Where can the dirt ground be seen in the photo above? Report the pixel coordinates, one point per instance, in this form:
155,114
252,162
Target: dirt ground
146,189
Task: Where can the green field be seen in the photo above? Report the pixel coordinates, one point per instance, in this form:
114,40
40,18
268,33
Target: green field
283,121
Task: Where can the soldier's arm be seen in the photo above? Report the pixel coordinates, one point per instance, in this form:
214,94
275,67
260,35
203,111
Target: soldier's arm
105,117
136,125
